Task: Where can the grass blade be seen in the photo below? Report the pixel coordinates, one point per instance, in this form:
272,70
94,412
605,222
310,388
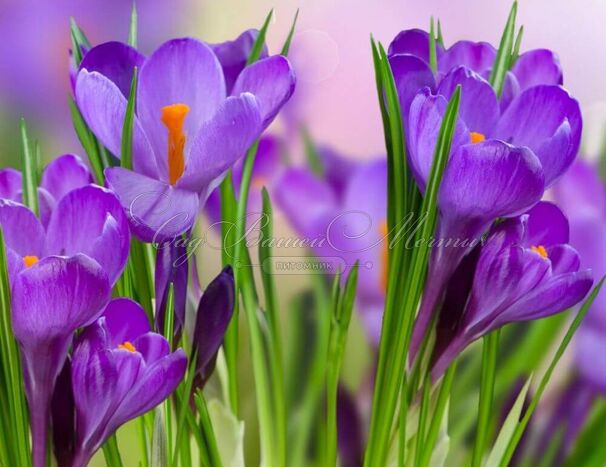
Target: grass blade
259,43
132,32
503,58
286,46
126,148
30,171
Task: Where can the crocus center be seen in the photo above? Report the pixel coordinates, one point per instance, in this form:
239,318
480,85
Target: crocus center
384,255
540,249
476,137
29,261
173,117
127,345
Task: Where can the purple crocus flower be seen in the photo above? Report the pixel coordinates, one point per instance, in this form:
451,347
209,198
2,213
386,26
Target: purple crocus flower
120,370
502,158
348,222
187,131
62,175
525,271
50,300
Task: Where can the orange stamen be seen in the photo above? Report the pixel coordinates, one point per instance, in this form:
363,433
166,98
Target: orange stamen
173,117
384,255
476,137
127,345
540,249
29,261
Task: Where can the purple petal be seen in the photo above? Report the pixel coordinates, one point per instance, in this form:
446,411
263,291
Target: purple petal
590,346
477,56
63,416
90,220
233,55
414,42
489,180
157,382
580,190
304,199
157,212
546,226
172,266
478,108
272,82
214,313
221,142
338,168
64,174
152,347
180,71
11,184
56,296
564,259
410,74
125,320
116,61
425,120
547,120
539,66
511,88
103,107
23,232
46,204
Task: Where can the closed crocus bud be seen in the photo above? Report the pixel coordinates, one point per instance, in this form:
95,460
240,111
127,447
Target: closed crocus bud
214,314
120,370
526,270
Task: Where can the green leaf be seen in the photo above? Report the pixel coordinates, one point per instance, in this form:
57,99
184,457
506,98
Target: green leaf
489,369
314,162
229,431
503,58
126,148
112,453
88,141
259,43
508,427
440,38
212,453
286,46
132,32
79,41
433,57
516,48
159,450
519,431
30,171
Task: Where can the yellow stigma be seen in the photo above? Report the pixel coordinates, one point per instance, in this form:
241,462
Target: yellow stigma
173,117
127,345
384,255
540,249
29,261
476,137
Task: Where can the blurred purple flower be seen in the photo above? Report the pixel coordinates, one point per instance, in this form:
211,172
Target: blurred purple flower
120,370
193,132
526,270
352,220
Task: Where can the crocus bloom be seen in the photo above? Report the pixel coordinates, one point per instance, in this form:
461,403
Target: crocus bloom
501,159
88,220
50,300
62,175
526,270
349,223
187,131
120,370
214,313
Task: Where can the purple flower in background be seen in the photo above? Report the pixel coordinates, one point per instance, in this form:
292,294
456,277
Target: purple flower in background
501,159
50,300
187,131
266,170
214,313
62,175
351,223
120,370
525,271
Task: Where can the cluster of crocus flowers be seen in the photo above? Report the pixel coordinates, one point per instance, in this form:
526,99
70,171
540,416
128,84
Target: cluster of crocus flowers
189,128
507,149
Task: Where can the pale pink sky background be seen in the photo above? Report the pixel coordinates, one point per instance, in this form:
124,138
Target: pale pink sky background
336,84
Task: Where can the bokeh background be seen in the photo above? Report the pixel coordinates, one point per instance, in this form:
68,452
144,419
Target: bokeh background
335,99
